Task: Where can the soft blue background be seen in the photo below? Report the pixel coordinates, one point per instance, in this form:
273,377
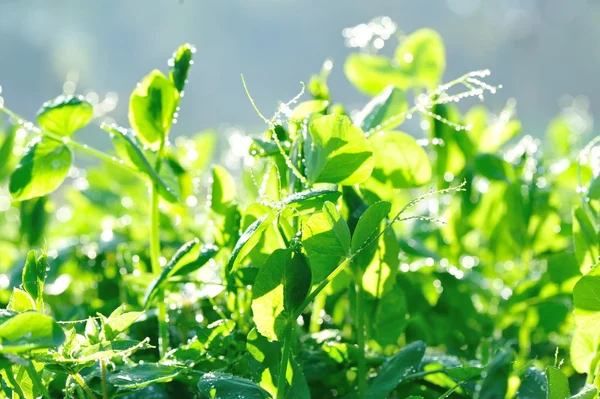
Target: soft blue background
539,50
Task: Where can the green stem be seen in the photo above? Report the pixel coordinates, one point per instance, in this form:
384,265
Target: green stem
360,341
77,377
285,355
104,384
317,308
163,326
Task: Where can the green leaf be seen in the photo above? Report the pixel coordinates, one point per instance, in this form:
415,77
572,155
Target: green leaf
227,386
281,285
390,317
126,145
399,160
34,276
326,238
117,323
65,114
7,156
380,274
383,111
29,330
466,373
586,340
270,188
494,168
223,190
395,370
495,383
558,384
422,58
20,301
143,375
248,240
190,257
594,190
587,392
585,237
180,64
372,73
43,168
337,152
534,385
151,108
369,225
310,201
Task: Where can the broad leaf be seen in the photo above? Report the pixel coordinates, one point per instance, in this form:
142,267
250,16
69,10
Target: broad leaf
43,168
495,383
281,285
534,385
586,340
369,225
223,190
34,276
337,152
248,240
395,370
151,108
310,201
20,301
587,392
65,114
143,375
29,330
422,58
399,160
558,384
372,73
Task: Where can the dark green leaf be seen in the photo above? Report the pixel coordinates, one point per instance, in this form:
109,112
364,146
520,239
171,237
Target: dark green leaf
495,383
143,375
180,64
534,385
558,384
227,386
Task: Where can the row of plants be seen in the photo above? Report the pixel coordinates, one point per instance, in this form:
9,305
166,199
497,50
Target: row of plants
344,258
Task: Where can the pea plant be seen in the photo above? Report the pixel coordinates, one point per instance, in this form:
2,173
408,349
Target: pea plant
331,255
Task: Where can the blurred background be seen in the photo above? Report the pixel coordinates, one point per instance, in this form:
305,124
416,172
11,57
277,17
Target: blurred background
545,53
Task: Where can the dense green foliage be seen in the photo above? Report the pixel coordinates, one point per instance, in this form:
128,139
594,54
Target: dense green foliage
347,258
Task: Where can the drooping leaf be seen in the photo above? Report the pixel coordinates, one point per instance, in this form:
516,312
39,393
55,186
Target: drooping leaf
180,64
281,285
143,375
190,257
43,168
383,111
337,152
310,201
248,240
29,330
399,160
125,143
369,225
558,384
395,370
227,386
422,58
151,108
65,114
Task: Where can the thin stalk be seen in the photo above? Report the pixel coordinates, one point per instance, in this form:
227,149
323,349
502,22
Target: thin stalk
77,377
104,384
317,308
163,326
360,341
74,144
285,355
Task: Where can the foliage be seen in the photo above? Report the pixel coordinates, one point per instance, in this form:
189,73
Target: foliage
347,258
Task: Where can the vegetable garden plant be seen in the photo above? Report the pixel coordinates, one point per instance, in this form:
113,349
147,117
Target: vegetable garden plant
347,259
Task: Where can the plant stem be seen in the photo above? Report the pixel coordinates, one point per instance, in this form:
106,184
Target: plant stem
285,355
104,385
360,340
163,326
77,377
